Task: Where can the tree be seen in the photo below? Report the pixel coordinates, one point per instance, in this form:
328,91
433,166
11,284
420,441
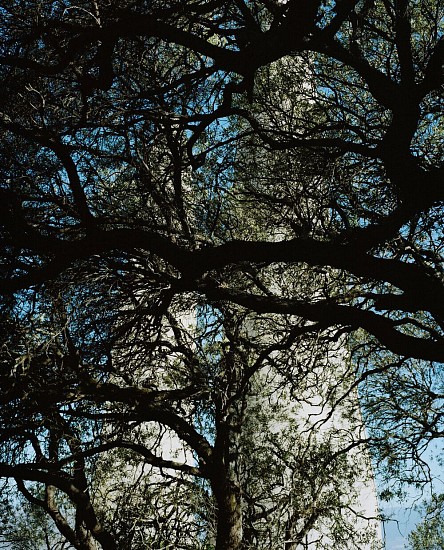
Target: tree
25,527
429,533
260,464
274,165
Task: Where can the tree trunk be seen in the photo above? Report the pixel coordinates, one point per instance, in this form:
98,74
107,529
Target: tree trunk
226,479
229,505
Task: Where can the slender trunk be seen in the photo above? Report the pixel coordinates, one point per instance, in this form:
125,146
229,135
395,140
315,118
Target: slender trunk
229,505
226,479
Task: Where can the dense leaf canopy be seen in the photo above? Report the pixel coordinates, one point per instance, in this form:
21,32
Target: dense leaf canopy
97,98
191,192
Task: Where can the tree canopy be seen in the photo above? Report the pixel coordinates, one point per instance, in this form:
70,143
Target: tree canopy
88,89
192,192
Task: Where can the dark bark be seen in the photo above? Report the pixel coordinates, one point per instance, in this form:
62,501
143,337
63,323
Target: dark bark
226,470
91,97
229,512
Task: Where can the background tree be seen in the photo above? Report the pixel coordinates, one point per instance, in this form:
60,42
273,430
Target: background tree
429,533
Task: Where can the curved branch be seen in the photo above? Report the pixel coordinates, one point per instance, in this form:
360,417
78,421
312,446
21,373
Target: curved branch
382,328
149,457
65,483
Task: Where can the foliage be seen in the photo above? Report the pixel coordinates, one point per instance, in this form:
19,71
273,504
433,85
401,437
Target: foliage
429,534
205,213
25,527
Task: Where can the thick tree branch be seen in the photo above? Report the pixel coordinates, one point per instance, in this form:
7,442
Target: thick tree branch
382,328
66,484
142,450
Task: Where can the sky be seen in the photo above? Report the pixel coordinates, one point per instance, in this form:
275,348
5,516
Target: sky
396,531
405,516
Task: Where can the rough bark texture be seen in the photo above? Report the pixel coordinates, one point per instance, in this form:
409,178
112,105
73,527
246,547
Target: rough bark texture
229,526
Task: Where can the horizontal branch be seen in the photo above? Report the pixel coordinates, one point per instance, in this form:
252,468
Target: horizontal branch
148,456
382,328
406,276
193,264
149,407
